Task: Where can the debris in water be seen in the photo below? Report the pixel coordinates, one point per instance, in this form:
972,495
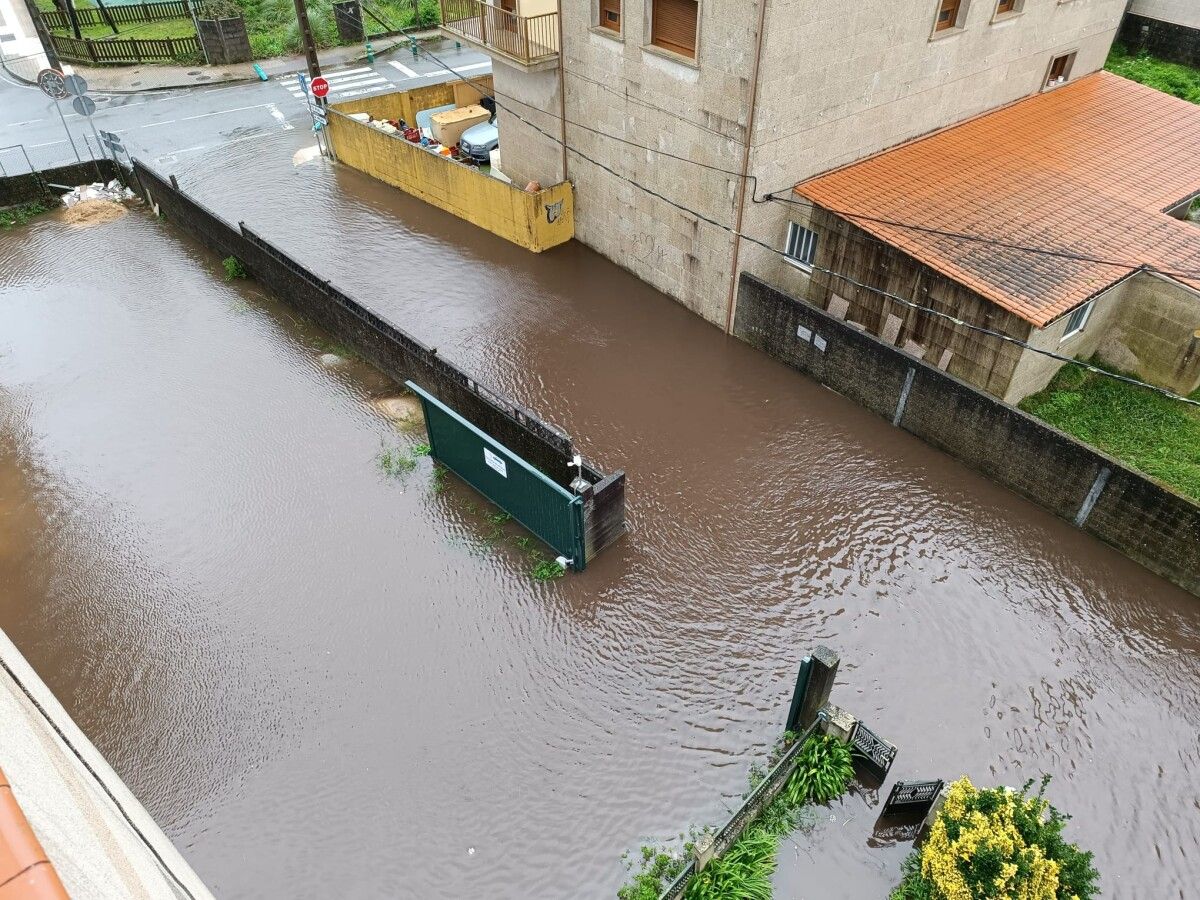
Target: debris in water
86,213
114,190
405,408
331,359
305,154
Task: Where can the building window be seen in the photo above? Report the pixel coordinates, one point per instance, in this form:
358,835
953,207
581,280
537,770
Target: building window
1078,320
673,26
1006,6
801,248
1060,69
610,15
949,12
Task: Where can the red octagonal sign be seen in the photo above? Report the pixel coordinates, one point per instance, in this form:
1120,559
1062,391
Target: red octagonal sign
320,87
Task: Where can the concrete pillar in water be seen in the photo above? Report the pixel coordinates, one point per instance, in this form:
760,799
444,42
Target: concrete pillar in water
813,685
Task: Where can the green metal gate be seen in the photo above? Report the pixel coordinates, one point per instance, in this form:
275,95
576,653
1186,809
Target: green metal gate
547,509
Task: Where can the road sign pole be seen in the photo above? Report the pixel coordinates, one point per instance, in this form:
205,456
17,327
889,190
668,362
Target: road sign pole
58,106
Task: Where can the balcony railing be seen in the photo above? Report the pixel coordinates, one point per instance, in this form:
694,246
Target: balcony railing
525,39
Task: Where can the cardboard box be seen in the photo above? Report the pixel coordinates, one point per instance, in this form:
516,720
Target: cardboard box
448,127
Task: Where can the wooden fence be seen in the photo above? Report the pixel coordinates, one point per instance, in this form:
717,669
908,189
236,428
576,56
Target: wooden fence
126,15
123,51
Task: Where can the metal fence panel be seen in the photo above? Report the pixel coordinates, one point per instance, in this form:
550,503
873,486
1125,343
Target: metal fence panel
548,510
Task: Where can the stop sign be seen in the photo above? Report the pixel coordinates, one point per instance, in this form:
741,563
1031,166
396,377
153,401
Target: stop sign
320,87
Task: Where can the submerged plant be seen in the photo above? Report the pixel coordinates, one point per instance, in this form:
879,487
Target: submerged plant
743,872
396,462
547,570
233,268
12,216
822,773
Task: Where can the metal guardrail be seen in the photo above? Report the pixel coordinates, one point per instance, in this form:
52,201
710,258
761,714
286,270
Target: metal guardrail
527,39
125,15
758,800
86,50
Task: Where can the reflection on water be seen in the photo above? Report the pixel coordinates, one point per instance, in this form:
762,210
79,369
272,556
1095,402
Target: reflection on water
335,682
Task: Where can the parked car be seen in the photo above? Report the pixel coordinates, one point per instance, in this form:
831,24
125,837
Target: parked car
479,141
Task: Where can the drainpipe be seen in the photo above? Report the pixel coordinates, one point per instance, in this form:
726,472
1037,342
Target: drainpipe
741,194
562,89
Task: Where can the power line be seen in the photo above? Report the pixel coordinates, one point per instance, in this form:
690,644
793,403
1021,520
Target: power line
904,301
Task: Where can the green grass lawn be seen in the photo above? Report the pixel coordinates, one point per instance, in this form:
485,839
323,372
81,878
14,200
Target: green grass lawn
141,31
1148,431
1170,78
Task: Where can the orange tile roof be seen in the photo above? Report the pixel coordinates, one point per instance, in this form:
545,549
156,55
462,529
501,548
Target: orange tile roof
1086,169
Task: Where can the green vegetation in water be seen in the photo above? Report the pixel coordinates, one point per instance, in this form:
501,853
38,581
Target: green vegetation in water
439,478
1147,430
396,462
1176,79
997,842
547,570
823,772
233,268
499,518
13,216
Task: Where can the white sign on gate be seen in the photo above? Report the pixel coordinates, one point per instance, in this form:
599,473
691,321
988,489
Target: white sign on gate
495,462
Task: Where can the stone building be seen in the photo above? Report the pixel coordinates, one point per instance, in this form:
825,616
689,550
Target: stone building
1166,28
1102,170
683,115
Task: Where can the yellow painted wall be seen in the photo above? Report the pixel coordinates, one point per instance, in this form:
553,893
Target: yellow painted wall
503,209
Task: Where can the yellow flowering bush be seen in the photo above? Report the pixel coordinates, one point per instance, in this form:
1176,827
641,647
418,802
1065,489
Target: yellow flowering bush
999,844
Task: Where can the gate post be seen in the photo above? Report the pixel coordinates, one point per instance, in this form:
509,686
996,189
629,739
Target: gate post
814,682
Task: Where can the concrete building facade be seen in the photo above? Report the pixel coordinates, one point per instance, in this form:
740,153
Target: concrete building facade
779,90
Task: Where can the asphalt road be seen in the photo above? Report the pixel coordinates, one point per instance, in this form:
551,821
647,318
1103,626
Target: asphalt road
163,126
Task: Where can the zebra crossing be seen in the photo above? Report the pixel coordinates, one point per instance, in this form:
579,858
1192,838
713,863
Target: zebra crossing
342,85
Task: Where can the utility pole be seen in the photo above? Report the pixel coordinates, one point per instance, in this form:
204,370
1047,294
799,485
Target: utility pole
74,17
310,46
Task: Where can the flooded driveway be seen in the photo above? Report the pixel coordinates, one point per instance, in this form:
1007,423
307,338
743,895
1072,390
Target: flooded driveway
328,681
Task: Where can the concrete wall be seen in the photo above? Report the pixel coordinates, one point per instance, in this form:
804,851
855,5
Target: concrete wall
1146,325
1167,39
1178,12
838,81
36,185
1138,516
535,221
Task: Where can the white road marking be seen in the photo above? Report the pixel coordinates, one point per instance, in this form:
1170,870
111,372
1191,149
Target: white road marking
405,69
222,112
26,122
342,73
175,153
280,117
344,95
156,124
356,81
455,71
47,144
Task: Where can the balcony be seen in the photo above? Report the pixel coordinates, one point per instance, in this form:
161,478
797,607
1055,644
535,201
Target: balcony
528,41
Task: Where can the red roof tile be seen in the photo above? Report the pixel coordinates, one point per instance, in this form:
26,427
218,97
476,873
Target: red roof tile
1086,169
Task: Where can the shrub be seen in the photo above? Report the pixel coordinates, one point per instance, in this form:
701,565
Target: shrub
997,843
233,268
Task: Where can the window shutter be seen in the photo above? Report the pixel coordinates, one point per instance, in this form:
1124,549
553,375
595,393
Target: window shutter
610,14
674,26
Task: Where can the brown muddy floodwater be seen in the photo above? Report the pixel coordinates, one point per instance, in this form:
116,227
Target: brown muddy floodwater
327,682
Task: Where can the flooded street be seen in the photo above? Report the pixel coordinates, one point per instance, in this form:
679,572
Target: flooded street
336,682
